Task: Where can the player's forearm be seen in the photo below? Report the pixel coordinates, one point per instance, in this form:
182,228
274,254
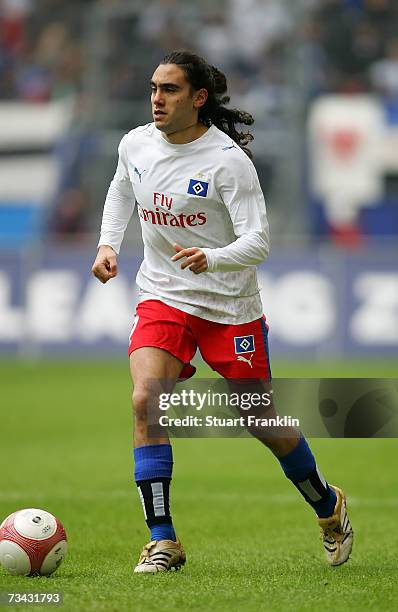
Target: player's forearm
248,250
118,208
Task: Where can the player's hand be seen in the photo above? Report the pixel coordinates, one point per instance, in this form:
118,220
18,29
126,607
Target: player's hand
105,264
195,258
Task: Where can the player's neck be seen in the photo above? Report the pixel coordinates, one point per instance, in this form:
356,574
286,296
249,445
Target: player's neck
188,134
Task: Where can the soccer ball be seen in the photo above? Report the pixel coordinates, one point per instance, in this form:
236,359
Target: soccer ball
32,542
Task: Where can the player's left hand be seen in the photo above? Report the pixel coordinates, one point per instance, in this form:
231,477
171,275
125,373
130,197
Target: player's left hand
195,258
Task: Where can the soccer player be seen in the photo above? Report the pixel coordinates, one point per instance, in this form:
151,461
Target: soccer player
204,227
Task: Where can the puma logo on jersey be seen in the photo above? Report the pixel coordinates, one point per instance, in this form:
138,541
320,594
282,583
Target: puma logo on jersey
230,147
249,361
138,173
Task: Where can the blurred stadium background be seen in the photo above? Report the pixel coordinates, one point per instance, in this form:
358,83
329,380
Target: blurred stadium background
321,79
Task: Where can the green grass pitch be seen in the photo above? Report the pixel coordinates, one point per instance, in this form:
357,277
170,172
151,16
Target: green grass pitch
251,542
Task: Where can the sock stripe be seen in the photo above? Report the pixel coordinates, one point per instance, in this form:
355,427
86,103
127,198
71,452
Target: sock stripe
321,478
314,488
307,488
300,467
158,498
142,502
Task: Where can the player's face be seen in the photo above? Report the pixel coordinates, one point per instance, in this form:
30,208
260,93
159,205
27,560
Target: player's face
174,104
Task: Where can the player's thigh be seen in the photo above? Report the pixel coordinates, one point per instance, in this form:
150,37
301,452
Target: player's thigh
160,344
151,363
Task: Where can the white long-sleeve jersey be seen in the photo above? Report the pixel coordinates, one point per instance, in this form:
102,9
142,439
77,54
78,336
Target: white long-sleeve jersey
202,194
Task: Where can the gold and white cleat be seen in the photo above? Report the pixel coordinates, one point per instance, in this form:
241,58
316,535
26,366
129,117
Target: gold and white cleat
336,532
160,556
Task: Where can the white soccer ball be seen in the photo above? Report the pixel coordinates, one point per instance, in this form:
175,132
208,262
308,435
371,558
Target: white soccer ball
32,542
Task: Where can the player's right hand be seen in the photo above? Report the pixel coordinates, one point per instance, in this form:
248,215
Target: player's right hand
105,264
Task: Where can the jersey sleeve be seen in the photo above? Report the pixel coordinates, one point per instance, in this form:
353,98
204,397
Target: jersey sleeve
119,204
241,193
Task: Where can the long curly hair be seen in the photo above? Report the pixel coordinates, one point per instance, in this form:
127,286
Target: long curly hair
200,75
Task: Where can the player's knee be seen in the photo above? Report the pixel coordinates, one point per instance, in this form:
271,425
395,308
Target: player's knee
140,403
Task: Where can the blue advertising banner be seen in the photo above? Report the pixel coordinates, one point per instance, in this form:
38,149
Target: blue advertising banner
318,302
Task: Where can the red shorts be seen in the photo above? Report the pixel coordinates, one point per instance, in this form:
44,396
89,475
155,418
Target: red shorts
234,351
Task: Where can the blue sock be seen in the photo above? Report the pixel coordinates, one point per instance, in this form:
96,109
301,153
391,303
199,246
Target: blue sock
163,531
300,467
153,466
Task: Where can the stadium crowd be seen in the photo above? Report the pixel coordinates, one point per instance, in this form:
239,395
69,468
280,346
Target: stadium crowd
352,45
346,46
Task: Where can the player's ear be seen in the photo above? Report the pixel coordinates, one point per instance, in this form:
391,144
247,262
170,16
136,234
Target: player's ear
200,98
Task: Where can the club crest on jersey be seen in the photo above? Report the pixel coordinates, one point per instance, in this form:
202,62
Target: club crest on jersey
198,188
244,344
